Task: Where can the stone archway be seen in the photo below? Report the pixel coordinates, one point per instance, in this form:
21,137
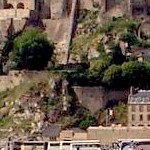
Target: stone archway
8,6
20,6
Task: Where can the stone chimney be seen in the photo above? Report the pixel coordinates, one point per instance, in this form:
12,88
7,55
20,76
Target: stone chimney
132,90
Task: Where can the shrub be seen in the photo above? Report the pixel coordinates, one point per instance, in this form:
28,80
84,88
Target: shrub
32,50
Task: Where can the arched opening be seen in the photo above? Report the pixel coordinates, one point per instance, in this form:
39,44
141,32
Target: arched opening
8,6
20,6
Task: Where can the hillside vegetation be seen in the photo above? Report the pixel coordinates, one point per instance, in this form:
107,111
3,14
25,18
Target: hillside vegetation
46,96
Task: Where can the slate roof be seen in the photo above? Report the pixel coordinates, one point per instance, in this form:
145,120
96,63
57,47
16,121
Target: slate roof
142,97
142,94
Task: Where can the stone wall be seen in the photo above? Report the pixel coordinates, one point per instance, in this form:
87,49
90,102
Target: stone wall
58,8
4,25
12,13
9,26
107,135
92,98
28,4
86,4
95,98
60,30
13,79
45,12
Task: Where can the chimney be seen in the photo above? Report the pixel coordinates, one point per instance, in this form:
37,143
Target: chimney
132,90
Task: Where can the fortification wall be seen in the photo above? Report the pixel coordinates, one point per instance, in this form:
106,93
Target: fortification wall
58,8
86,4
19,24
95,98
28,4
13,79
45,12
4,25
12,13
108,134
92,98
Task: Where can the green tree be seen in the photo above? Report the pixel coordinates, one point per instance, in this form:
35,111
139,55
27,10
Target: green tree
116,56
129,37
97,67
32,50
121,113
134,73
112,76
89,120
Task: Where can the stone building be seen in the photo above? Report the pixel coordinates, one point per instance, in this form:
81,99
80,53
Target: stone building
55,17
139,108
116,8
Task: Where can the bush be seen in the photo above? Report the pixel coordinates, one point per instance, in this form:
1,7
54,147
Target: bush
112,76
32,50
89,120
135,73
129,37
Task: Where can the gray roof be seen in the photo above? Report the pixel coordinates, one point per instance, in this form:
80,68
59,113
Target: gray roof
142,94
52,130
142,97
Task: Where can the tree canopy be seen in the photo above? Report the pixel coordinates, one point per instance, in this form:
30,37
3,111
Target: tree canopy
32,50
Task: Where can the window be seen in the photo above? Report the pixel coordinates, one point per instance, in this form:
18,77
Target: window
141,108
148,117
133,108
8,6
148,108
133,117
141,117
20,6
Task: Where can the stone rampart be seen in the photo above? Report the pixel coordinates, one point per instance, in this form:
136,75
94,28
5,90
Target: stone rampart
107,135
19,24
23,13
4,25
6,14
12,13
28,4
86,4
13,79
95,98
58,8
